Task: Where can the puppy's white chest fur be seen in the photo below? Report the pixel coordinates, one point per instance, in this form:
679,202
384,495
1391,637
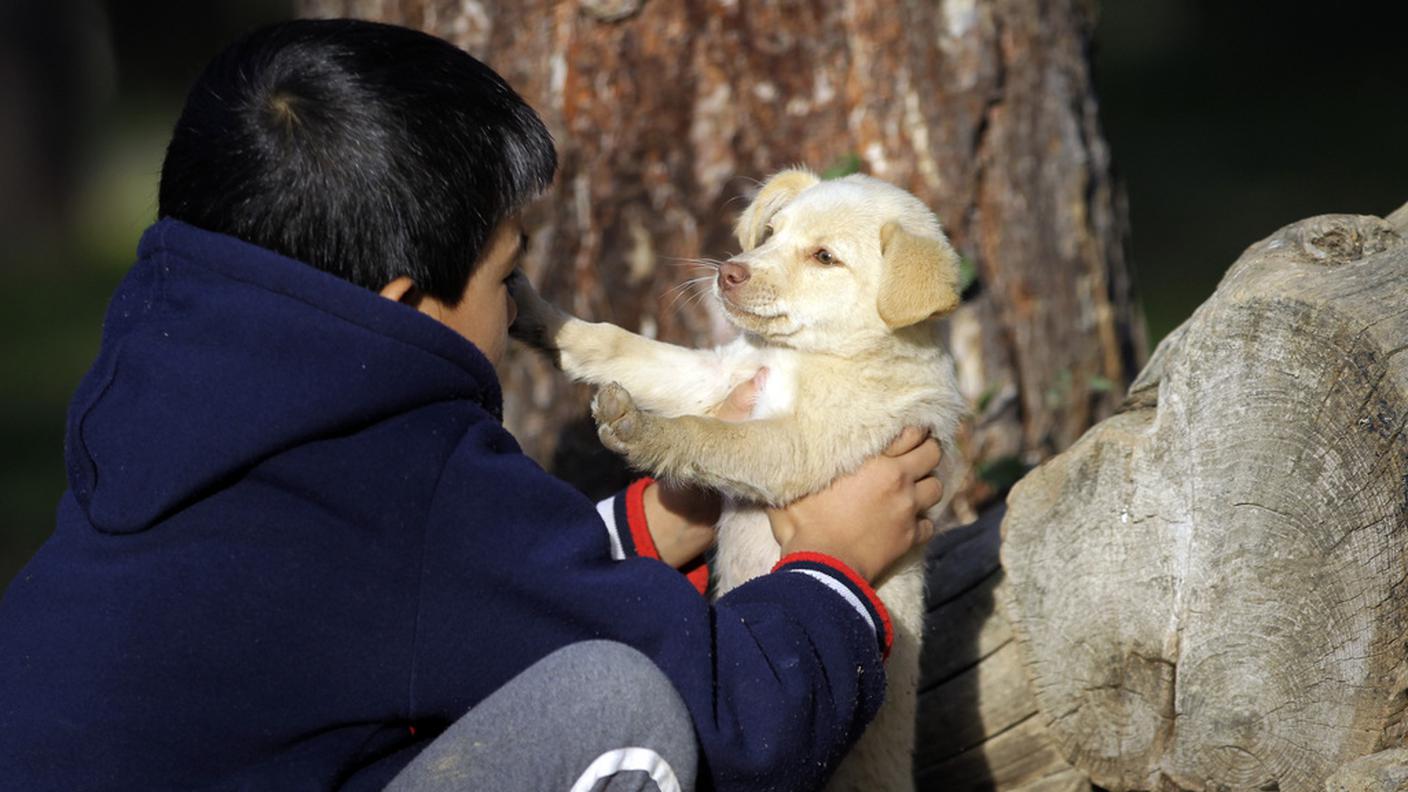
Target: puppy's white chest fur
778,394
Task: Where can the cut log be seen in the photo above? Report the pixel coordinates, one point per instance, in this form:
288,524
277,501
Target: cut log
1210,589
1061,781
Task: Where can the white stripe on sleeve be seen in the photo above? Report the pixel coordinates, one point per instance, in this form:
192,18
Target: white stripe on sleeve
625,760
836,586
607,510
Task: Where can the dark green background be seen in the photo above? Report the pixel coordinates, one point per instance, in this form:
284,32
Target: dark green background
1226,120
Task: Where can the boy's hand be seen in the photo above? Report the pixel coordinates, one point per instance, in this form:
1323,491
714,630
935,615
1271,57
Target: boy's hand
682,519
870,518
739,404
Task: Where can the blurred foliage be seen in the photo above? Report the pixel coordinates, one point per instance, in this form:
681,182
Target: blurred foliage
1001,474
1226,121
1101,384
1229,120
844,165
47,340
126,74
967,276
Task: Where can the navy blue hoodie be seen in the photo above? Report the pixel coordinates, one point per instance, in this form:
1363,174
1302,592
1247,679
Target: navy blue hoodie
298,543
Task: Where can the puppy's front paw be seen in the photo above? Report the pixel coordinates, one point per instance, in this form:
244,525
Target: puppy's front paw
537,320
619,423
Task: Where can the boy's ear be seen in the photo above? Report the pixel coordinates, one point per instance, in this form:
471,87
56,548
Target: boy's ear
774,195
920,278
402,289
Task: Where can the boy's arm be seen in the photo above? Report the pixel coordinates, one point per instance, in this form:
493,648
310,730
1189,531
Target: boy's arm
780,675
633,533
650,519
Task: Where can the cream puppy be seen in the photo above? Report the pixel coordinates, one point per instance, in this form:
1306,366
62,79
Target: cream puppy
833,293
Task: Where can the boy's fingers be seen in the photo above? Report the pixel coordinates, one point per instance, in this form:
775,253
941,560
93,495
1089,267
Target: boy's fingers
924,532
739,404
922,459
927,493
911,437
760,378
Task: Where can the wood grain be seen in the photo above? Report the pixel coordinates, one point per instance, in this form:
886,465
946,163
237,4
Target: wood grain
1210,589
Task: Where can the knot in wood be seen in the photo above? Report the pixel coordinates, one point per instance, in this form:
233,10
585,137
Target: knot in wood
1332,240
611,10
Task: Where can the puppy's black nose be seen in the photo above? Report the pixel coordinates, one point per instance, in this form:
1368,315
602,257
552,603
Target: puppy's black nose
732,275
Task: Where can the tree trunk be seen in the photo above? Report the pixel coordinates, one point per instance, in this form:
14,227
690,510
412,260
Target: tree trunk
1208,589
667,111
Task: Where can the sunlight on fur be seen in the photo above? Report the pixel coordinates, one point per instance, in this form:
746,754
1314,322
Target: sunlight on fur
834,291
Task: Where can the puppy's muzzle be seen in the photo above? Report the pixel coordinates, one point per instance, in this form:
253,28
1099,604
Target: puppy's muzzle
732,275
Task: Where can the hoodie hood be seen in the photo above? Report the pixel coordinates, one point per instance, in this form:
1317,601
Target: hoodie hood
218,354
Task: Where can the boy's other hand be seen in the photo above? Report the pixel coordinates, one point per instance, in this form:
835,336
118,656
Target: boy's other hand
741,400
873,516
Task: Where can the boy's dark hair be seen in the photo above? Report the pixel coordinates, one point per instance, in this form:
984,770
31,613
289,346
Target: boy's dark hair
366,150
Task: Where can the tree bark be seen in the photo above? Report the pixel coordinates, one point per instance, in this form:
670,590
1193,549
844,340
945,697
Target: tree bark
666,112
1208,590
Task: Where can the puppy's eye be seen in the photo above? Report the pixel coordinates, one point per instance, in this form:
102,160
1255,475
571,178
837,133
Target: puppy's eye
767,232
824,256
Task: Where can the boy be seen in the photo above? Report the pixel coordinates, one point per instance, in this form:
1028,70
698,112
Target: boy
298,545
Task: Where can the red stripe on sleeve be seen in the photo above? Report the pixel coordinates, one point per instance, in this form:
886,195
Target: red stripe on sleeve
855,578
635,516
698,575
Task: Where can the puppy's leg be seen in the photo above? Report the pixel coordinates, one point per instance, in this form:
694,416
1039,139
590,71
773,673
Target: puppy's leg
663,377
882,760
773,461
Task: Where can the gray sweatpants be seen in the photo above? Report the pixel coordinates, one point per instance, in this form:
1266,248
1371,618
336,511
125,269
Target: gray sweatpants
596,716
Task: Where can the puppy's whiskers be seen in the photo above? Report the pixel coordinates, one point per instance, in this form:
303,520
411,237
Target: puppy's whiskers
693,262
690,290
679,288
686,289
696,298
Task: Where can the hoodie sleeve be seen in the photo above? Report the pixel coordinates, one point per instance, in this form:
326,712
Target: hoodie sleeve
629,534
780,675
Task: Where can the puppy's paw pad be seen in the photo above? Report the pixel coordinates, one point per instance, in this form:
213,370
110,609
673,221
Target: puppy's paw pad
611,441
618,420
612,403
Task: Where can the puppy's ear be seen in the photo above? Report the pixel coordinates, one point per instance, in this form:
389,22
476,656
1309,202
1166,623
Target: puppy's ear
775,194
920,278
